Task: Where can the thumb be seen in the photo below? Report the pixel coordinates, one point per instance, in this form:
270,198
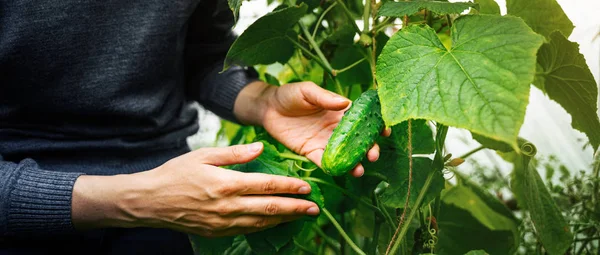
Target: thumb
237,154
324,98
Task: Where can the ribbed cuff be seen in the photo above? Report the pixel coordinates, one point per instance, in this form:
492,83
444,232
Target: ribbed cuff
223,89
40,202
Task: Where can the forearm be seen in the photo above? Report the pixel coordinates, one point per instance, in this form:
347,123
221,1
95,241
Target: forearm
252,102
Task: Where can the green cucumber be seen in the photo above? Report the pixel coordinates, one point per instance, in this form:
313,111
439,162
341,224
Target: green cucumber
354,135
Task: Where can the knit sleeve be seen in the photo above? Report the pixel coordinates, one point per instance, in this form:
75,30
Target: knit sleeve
208,39
34,201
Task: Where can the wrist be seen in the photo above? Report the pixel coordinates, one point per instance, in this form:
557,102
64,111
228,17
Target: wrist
252,102
107,201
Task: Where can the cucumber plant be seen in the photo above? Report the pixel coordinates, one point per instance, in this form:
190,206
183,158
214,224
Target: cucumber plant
424,67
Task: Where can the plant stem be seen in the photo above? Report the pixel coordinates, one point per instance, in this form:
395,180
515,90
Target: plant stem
331,241
388,218
596,183
293,70
304,249
314,34
413,212
287,155
384,23
449,20
471,152
373,62
338,86
410,170
343,233
336,72
349,15
438,161
376,228
314,44
366,13
311,55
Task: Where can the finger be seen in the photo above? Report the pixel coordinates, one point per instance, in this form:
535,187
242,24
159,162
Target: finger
358,171
262,184
386,132
246,224
273,205
373,153
316,156
323,98
252,222
237,154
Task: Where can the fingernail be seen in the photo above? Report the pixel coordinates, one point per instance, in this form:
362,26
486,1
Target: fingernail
313,210
340,99
254,147
304,190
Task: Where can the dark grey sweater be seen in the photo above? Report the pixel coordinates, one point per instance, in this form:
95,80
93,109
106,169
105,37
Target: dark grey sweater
101,87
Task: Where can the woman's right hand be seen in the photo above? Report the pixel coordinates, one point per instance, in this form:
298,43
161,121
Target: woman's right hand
192,194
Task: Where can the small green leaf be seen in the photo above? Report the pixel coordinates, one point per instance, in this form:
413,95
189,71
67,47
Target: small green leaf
266,163
566,79
310,3
239,247
234,6
488,7
315,194
272,32
399,9
477,252
478,84
543,16
210,246
531,193
497,145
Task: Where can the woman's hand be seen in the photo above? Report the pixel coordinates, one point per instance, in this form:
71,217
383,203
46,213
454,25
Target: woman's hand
192,194
300,115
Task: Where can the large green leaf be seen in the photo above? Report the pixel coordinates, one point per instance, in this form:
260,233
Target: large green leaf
460,232
531,193
567,79
399,9
480,84
266,41
463,197
491,201
543,16
488,211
